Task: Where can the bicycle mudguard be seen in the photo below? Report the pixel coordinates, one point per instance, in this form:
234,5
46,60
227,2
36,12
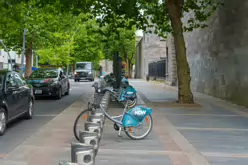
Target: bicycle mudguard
128,94
135,115
124,80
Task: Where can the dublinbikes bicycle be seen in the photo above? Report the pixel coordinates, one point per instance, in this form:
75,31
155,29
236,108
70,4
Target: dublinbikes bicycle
117,93
133,121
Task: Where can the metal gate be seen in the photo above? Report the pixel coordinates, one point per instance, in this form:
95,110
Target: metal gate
157,69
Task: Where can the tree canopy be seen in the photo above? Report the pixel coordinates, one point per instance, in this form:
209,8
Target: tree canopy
162,17
105,26
57,35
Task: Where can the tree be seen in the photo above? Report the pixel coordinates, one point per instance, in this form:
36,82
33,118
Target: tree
125,44
165,16
39,23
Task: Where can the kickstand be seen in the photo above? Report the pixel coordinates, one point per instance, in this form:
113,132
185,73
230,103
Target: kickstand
119,133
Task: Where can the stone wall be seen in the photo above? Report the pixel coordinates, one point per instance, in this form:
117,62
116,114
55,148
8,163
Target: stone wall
153,49
218,55
171,78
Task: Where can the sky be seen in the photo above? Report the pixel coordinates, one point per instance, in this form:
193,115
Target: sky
139,33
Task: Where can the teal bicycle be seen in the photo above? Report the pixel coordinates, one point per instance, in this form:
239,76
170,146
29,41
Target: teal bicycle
136,122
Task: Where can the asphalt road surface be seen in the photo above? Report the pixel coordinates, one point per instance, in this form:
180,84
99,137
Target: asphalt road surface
45,110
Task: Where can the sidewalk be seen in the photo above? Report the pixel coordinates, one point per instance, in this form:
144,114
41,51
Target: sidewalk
213,132
50,144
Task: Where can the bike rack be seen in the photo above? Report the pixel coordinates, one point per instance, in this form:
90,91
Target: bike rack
90,138
96,119
105,100
82,154
93,127
85,157
97,113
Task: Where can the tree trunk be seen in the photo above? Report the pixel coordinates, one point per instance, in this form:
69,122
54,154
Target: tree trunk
29,55
183,71
129,69
127,63
73,67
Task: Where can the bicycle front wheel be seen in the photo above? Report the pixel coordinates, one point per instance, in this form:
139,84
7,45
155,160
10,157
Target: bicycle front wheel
80,121
142,131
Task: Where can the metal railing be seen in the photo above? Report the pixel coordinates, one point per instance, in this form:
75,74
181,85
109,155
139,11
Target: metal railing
157,69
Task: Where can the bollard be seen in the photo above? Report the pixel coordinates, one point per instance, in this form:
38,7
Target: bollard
96,119
93,127
76,147
67,163
85,157
90,138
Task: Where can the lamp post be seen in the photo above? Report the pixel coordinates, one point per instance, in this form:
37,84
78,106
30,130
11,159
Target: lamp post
6,49
23,47
23,52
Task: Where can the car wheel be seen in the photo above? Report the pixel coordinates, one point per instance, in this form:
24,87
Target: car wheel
59,95
29,114
3,121
68,90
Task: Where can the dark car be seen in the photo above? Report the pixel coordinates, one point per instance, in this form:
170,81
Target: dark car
16,98
49,82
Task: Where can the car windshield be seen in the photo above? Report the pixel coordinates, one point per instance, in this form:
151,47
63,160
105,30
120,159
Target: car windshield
83,66
41,73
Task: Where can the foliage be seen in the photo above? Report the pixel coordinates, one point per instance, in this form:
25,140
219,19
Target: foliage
160,17
49,31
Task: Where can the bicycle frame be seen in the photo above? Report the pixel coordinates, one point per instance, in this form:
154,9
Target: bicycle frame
113,118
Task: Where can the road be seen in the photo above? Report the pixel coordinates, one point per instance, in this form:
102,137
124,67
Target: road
45,110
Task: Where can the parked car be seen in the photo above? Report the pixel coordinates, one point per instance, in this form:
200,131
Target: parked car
49,82
16,98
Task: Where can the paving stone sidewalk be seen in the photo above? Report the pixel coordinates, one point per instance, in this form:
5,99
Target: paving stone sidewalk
213,132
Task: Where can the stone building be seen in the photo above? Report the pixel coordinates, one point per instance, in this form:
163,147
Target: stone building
218,55
150,48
